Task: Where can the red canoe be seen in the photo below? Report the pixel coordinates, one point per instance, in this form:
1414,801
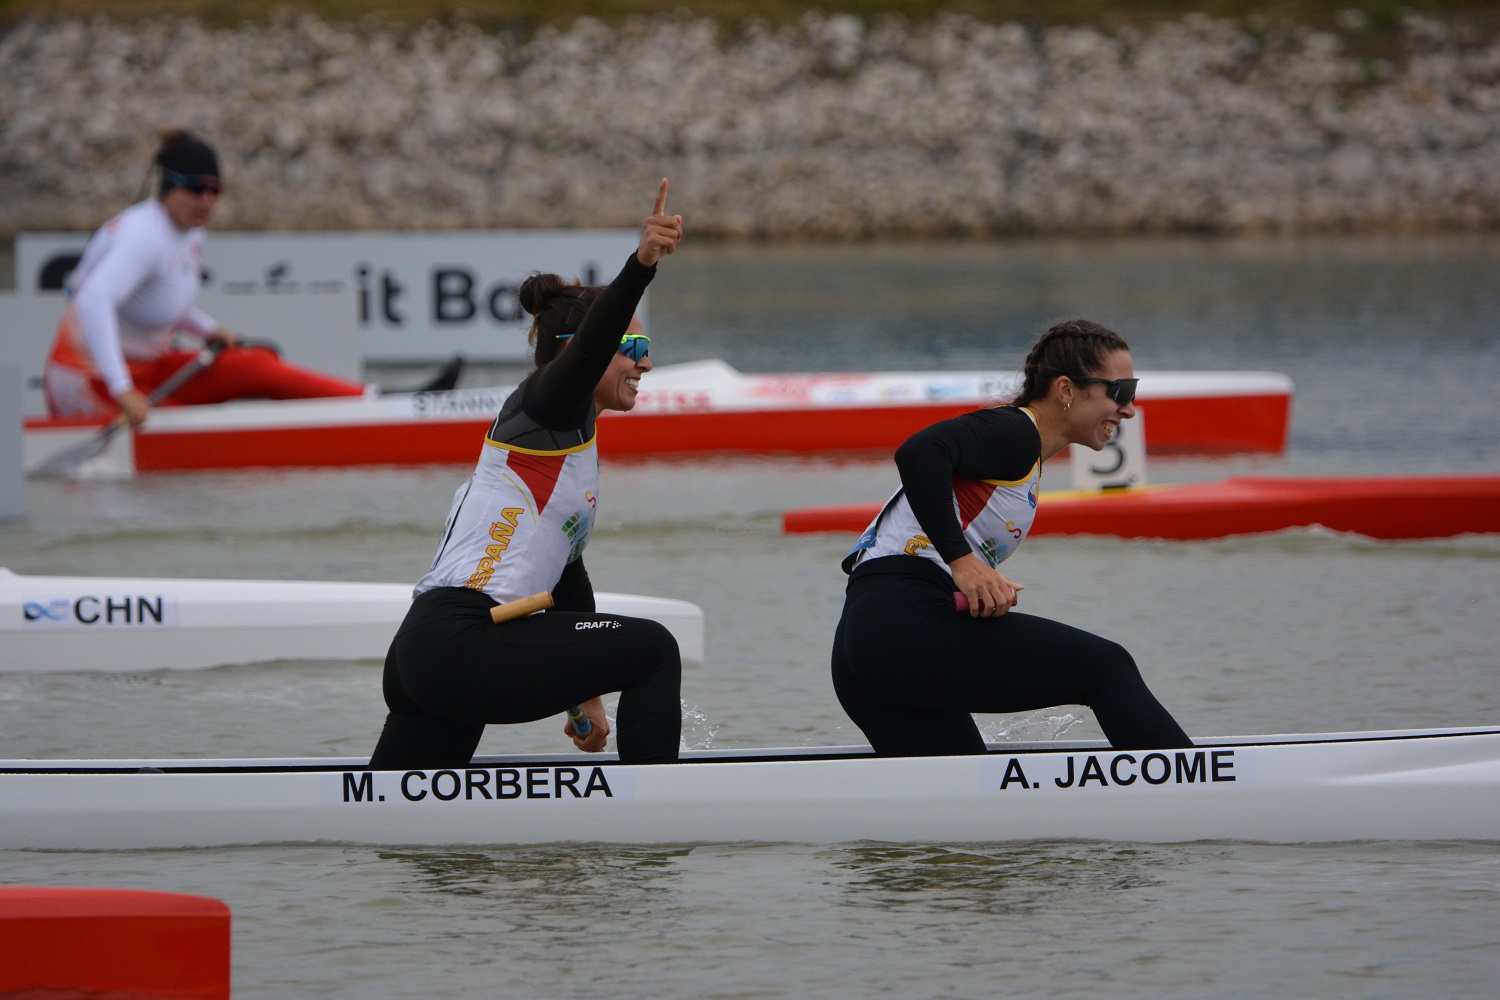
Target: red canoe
687,409
1379,507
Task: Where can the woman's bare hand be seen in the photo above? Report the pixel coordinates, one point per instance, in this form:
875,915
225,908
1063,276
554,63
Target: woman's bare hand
989,592
598,735
662,232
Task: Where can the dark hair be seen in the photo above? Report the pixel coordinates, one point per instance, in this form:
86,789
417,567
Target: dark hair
558,307
183,154
1072,347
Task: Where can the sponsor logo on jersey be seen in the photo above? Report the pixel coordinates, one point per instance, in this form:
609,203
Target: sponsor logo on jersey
501,533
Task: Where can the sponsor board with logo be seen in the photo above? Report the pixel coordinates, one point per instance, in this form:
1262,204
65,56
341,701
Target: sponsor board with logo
413,296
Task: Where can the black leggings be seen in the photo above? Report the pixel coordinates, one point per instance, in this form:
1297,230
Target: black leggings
909,669
451,670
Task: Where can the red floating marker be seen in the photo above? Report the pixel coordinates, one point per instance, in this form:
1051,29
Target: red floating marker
119,941
1363,505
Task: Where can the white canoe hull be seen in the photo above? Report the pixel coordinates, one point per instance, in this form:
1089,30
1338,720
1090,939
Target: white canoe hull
1402,785
51,624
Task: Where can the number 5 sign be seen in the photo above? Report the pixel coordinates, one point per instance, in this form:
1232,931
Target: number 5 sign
1122,462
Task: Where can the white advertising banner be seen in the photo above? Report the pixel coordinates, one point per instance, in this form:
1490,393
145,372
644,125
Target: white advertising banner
415,296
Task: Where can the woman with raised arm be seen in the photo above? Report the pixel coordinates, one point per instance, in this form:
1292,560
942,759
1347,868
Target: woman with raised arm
908,667
136,289
518,527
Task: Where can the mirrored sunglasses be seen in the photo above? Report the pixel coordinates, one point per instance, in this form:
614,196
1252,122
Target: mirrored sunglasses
634,346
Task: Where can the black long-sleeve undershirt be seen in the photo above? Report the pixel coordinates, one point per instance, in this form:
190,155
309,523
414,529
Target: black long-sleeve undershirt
1000,443
560,394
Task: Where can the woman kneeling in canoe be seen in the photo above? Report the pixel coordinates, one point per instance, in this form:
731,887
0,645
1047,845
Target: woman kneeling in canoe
907,667
135,290
517,528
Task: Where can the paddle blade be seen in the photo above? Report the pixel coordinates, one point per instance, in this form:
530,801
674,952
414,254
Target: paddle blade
66,462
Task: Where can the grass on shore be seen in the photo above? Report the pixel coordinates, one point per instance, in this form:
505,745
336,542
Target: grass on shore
1350,17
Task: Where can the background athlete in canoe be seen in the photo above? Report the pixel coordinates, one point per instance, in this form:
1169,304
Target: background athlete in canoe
135,290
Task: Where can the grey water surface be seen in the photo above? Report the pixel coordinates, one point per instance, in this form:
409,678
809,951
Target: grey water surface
1394,347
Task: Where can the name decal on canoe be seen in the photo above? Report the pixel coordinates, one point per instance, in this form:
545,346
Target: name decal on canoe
459,403
474,784
1119,770
99,610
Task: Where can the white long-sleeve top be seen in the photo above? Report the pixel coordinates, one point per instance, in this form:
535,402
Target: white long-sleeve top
137,282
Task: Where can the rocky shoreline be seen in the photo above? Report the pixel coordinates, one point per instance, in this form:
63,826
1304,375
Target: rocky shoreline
828,128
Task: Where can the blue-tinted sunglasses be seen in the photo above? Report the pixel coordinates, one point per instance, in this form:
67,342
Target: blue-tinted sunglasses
634,346
196,183
1121,390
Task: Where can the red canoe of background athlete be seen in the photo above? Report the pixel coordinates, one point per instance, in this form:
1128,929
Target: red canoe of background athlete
688,409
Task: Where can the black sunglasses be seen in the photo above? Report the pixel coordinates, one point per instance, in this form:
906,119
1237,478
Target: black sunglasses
1121,390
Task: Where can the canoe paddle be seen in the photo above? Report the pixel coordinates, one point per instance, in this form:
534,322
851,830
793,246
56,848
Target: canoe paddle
68,460
961,603
522,607
581,723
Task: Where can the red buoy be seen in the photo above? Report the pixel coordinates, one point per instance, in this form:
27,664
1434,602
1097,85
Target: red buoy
117,941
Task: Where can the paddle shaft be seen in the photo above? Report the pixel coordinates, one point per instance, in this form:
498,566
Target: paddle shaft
961,603
581,723
188,371
511,610
66,461
520,608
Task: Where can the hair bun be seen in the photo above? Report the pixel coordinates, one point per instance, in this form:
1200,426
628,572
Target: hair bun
537,290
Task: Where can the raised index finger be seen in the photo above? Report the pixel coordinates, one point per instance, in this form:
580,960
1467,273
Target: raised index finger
661,199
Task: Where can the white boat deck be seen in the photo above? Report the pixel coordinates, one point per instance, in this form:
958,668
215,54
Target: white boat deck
1405,785
53,624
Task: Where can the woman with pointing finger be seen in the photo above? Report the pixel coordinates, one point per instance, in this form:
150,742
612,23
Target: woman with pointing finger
908,666
517,527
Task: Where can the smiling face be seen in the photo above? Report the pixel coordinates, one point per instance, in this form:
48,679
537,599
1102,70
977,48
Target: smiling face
1092,417
620,384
